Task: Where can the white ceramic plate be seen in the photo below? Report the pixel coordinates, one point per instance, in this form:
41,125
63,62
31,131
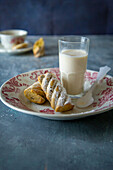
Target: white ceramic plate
18,51
11,94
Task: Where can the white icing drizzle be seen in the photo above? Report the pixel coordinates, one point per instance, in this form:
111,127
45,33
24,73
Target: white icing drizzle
60,97
68,100
45,81
50,88
55,94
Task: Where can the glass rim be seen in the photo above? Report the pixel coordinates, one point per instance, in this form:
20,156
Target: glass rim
64,40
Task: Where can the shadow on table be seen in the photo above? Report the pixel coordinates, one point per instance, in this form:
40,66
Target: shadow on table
94,128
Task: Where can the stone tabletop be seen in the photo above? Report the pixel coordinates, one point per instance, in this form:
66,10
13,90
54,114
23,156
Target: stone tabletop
32,143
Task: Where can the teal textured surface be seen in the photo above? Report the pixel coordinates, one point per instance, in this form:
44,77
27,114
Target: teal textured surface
29,142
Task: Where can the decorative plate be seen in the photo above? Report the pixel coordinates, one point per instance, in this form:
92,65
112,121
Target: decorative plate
18,51
12,95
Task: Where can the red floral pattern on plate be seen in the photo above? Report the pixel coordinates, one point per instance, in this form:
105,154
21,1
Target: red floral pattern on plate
107,95
47,111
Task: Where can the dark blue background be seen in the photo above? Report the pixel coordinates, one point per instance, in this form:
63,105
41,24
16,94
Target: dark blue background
54,17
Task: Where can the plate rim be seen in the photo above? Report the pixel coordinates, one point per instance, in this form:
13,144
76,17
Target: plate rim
62,116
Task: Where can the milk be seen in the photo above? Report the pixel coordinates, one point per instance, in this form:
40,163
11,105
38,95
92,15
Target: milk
73,63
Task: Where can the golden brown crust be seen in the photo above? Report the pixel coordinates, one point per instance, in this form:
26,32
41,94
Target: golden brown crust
64,108
35,94
38,48
50,90
40,78
19,46
53,105
55,93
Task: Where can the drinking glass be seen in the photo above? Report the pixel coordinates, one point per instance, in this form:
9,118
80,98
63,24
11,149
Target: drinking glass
73,54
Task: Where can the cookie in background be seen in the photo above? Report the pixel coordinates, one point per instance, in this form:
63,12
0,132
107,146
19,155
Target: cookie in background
35,94
19,46
39,48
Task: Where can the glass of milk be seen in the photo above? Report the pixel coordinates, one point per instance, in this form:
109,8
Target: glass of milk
73,54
